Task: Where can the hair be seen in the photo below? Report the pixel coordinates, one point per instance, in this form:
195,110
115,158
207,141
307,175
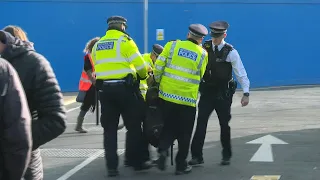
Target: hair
17,32
90,44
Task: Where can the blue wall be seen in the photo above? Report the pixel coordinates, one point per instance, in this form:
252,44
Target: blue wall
277,40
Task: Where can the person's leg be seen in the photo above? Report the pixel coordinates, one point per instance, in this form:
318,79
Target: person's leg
206,107
89,100
185,128
132,114
223,109
168,134
110,115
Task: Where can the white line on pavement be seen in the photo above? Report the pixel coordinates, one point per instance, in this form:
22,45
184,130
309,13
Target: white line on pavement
81,165
72,109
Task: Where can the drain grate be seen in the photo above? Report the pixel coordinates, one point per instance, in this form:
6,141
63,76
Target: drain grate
72,153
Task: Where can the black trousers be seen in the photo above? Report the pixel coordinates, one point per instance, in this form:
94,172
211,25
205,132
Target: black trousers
145,144
121,100
89,99
178,124
207,104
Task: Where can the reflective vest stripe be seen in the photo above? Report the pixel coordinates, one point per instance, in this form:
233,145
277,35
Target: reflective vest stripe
114,72
178,68
85,82
144,86
177,97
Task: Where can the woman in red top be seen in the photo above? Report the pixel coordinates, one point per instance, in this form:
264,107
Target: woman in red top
86,86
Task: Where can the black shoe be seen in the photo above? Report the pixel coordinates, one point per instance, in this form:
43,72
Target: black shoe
225,162
113,173
195,161
186,170
143,166
161,162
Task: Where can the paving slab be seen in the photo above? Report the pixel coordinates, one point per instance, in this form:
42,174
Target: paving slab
290,115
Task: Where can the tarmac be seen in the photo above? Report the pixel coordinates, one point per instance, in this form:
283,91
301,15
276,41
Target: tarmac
275,137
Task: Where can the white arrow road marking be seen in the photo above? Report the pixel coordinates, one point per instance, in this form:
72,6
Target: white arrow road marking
264,153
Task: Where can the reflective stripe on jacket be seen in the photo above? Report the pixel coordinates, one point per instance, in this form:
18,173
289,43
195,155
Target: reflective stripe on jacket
85,82
179,69
113,54
143,83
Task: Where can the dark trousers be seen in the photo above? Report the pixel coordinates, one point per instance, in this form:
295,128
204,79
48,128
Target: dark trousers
145,144
207,104
89,99
144,151
178,121
121,100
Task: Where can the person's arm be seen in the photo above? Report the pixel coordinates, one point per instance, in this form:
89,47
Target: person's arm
161,62
239,70
241,75
135,58
16,140
204,64
88,68
48,102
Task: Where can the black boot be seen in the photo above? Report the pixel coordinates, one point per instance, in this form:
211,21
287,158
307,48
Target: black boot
143,166
113,173
162,161
196,161
225,161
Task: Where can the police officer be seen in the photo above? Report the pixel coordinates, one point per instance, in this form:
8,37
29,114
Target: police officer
150,59
217,89
179,69
112,56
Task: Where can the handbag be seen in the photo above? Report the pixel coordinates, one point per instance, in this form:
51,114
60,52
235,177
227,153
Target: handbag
81,95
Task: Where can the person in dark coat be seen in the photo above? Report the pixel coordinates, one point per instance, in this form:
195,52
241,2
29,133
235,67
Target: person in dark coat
15,125
43,93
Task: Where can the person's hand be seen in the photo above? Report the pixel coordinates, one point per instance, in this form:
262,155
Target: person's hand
245,101
150,69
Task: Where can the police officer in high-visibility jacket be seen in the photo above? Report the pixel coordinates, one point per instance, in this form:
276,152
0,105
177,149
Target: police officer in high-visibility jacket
119,92
150,58
179,69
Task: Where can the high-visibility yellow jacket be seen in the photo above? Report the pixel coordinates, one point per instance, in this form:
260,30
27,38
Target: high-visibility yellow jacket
116,55
143,83
179,69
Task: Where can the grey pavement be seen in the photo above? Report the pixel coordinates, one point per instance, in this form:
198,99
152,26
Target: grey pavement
290,116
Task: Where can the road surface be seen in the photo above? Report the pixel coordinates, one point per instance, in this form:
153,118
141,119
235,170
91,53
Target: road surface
275,137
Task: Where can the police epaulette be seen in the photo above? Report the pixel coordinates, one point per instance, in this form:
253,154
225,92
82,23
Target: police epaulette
207,43
129,38
229,46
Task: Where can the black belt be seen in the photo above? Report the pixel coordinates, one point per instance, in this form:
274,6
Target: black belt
114,82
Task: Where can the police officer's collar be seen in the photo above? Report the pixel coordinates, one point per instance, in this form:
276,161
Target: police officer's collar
220,46
118,29
192,40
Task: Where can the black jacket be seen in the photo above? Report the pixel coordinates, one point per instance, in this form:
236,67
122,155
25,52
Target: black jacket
15,125
42,89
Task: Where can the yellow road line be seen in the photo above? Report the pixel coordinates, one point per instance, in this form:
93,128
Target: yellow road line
270,177
70,101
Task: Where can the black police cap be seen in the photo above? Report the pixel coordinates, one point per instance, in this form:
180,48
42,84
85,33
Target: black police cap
157,49
218,28
116,20
198,30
